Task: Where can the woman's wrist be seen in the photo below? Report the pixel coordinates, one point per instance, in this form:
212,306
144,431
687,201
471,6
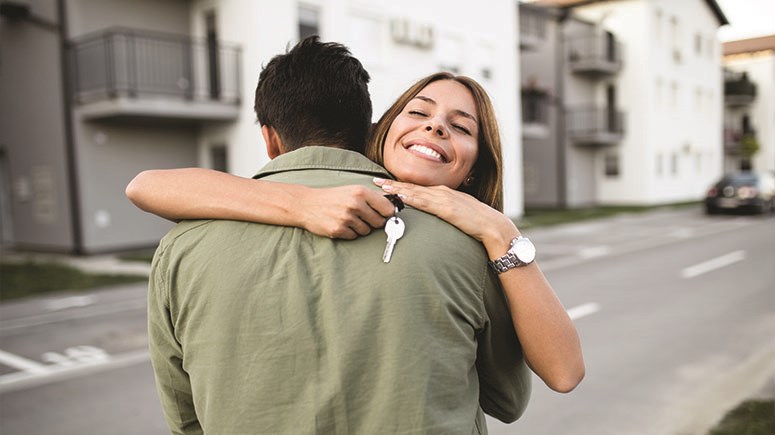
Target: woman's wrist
499,237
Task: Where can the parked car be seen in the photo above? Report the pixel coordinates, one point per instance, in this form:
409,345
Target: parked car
742,191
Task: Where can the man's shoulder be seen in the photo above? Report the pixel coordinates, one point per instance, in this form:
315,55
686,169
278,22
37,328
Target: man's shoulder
192,231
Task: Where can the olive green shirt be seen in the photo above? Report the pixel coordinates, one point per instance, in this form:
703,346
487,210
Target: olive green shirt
261,329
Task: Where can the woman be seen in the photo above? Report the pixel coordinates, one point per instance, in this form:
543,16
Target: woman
442,133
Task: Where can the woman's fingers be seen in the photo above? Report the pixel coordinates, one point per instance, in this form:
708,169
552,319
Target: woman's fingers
347,212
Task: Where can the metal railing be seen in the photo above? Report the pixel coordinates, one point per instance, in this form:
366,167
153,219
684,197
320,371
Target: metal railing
121,62
535,107
739,84
587,121
532,23
595,52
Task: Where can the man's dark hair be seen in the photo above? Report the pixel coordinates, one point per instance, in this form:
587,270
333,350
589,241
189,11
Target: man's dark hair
315,94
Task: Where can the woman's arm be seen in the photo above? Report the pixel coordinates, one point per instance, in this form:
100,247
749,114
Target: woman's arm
196,193
549,339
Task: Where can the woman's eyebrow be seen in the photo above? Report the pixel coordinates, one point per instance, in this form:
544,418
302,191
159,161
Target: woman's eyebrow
457,111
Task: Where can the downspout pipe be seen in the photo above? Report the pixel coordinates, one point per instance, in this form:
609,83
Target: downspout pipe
67,112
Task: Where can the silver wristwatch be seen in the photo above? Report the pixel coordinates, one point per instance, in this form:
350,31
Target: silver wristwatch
521,253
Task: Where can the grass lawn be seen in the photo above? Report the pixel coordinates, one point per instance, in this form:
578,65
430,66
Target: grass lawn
29,279
753,417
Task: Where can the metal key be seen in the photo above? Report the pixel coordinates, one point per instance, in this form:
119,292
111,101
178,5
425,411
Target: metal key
394,228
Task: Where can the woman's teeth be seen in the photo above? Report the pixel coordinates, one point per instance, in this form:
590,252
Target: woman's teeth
427,151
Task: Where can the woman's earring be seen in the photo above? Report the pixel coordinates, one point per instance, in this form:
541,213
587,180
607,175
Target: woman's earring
468,180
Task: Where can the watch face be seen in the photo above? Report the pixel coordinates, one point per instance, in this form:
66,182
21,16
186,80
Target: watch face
524,250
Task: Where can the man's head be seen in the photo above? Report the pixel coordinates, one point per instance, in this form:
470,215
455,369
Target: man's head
315,94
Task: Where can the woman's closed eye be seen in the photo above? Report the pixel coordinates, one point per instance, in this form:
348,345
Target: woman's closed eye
462,128
417,113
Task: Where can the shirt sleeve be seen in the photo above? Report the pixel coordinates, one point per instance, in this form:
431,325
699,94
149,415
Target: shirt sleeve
504,377
172,381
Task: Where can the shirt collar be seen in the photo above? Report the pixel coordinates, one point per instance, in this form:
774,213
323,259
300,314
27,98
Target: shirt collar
318,157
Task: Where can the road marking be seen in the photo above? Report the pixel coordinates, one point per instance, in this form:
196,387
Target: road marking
69,302
583,310
61,316
26,379
21,363
713,264
594,251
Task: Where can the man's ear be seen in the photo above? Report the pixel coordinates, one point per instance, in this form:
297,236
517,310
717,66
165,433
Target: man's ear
274,145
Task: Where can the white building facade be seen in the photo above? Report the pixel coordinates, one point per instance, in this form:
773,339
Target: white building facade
668,93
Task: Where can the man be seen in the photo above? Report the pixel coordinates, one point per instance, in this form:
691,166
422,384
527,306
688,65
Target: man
266,329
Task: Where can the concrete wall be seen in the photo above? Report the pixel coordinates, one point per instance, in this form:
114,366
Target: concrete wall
32,131
542,169
110,153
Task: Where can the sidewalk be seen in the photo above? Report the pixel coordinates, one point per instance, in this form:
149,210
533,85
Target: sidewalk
103,263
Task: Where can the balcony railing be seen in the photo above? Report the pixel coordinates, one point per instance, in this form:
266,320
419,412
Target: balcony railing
121,63
594,126
738,89
535,107
733,139
532,26
595,55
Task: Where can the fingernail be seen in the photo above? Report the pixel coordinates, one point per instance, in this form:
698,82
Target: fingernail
388,187
403,197
378,181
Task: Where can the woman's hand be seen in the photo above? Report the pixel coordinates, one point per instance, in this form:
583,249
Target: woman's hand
475,218
344,212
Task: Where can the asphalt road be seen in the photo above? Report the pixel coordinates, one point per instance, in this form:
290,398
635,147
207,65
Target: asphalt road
676,313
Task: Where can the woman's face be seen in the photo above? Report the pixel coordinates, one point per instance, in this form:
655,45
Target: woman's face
433,141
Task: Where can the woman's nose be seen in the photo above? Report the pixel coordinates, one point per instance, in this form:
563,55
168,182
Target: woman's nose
437,129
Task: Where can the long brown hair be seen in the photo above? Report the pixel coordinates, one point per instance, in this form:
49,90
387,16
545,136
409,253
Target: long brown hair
487,184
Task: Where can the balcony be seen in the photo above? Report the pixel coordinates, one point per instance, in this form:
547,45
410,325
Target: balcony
532,26
127,73
734,139
595,126
596,55
535,113
738,90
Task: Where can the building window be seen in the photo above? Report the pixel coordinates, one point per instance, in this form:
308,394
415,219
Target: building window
658,23
674,163
673,94
309,21
659,91
219,158
658,165
611,165
698,44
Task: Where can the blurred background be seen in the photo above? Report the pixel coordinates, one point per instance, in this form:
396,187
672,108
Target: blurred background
622,104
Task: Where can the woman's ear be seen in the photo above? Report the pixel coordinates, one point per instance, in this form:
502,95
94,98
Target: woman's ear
274,145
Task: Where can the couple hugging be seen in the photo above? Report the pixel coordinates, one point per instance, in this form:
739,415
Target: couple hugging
270,308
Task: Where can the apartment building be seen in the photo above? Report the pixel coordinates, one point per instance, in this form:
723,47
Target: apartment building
94,91
749,104
620,100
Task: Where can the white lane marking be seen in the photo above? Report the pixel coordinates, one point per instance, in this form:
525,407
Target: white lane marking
20,380
583,310
594,251
61,316
69,302
22,363
713,264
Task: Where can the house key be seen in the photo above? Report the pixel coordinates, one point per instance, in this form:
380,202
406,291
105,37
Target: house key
394,228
